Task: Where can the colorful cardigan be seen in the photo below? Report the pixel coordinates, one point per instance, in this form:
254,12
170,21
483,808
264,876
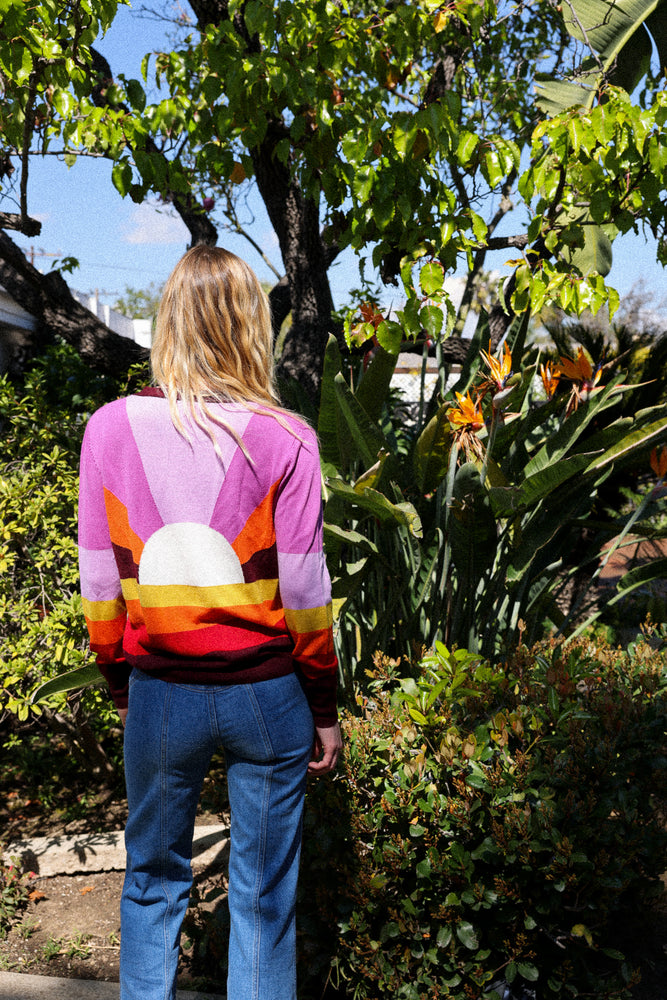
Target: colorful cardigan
203,568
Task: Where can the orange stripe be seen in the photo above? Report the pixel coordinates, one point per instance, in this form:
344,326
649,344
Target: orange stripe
258,531
134,611
177,619
119,526
106,633
313,645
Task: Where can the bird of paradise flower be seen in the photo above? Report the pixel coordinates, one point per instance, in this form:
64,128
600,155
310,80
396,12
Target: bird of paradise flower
550,376
584,378
658,461
466,418
500,371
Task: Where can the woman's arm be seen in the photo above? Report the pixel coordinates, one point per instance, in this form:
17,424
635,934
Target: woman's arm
103,602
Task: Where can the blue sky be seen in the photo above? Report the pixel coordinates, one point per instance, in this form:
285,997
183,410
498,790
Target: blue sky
120,244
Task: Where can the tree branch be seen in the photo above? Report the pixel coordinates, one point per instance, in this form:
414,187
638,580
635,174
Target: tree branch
28,125
49,300
27,226
199,225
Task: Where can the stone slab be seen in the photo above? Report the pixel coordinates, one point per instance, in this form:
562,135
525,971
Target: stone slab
21,986
102,852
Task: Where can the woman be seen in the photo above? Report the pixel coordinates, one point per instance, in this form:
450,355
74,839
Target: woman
207,601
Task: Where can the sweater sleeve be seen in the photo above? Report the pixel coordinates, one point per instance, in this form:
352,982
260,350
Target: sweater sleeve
103,602
305,587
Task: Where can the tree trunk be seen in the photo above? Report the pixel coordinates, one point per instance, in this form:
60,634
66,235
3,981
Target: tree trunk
296,222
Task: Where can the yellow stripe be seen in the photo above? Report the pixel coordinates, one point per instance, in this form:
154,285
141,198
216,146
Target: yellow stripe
308,620
229,595
103,611
130,589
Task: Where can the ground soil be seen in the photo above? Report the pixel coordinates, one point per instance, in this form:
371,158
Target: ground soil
70,926
71,929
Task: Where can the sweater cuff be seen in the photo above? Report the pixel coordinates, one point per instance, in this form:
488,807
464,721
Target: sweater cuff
321,695
117,676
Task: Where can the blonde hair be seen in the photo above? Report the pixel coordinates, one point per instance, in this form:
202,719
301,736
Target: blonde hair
213,341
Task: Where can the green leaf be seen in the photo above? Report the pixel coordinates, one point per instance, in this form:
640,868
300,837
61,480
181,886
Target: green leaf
618,35
467,935
431,451
444,937
331,443
390,336
643,438
367,436
348,536
431,319
654,571
565,438
373,389
537,486
70,681
596,253
135,94
121,175
431,277
378,505
528,972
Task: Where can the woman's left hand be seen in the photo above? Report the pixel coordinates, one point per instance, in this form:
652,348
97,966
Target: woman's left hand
327,747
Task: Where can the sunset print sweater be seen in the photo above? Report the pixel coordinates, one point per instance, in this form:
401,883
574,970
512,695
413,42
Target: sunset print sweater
198,568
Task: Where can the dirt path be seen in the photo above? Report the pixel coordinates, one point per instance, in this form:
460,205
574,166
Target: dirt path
71,928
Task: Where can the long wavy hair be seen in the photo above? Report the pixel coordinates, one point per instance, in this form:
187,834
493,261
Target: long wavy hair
213,341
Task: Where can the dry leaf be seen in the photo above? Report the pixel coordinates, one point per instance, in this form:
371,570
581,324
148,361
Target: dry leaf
238,173
37,894
87,888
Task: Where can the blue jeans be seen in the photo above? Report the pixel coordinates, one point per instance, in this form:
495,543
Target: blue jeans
172,731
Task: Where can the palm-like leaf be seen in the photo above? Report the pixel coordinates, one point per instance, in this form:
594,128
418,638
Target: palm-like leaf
618,33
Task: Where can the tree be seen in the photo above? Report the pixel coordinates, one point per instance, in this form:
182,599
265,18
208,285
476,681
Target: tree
407,131
139,303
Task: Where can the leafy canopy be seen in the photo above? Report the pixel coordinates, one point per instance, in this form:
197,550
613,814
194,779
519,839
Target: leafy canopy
414,126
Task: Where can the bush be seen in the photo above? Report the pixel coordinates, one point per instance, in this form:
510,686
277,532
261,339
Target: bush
44,632
488,825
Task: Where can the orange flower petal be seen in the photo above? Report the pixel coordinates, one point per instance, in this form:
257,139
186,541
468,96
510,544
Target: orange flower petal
659,462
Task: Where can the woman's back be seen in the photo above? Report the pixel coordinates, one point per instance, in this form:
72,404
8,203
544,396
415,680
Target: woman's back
219,554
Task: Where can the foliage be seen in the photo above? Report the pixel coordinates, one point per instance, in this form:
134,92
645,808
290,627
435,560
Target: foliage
493,825
43,626
620,36
139,303
14,893
464,526
412,130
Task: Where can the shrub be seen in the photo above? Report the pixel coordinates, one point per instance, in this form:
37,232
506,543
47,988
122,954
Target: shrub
44,632
488,825
14,893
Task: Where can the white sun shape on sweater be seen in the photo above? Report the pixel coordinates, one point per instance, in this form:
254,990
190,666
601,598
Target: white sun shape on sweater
188,554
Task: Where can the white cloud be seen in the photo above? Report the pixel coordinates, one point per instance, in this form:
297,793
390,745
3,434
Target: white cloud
150,224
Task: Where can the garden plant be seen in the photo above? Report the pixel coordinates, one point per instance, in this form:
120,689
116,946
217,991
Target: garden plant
464,525
499,826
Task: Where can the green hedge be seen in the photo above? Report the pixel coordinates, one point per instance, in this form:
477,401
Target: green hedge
486,827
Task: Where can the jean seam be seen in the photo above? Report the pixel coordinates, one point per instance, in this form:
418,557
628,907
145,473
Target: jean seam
261,858
164,761
261,850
